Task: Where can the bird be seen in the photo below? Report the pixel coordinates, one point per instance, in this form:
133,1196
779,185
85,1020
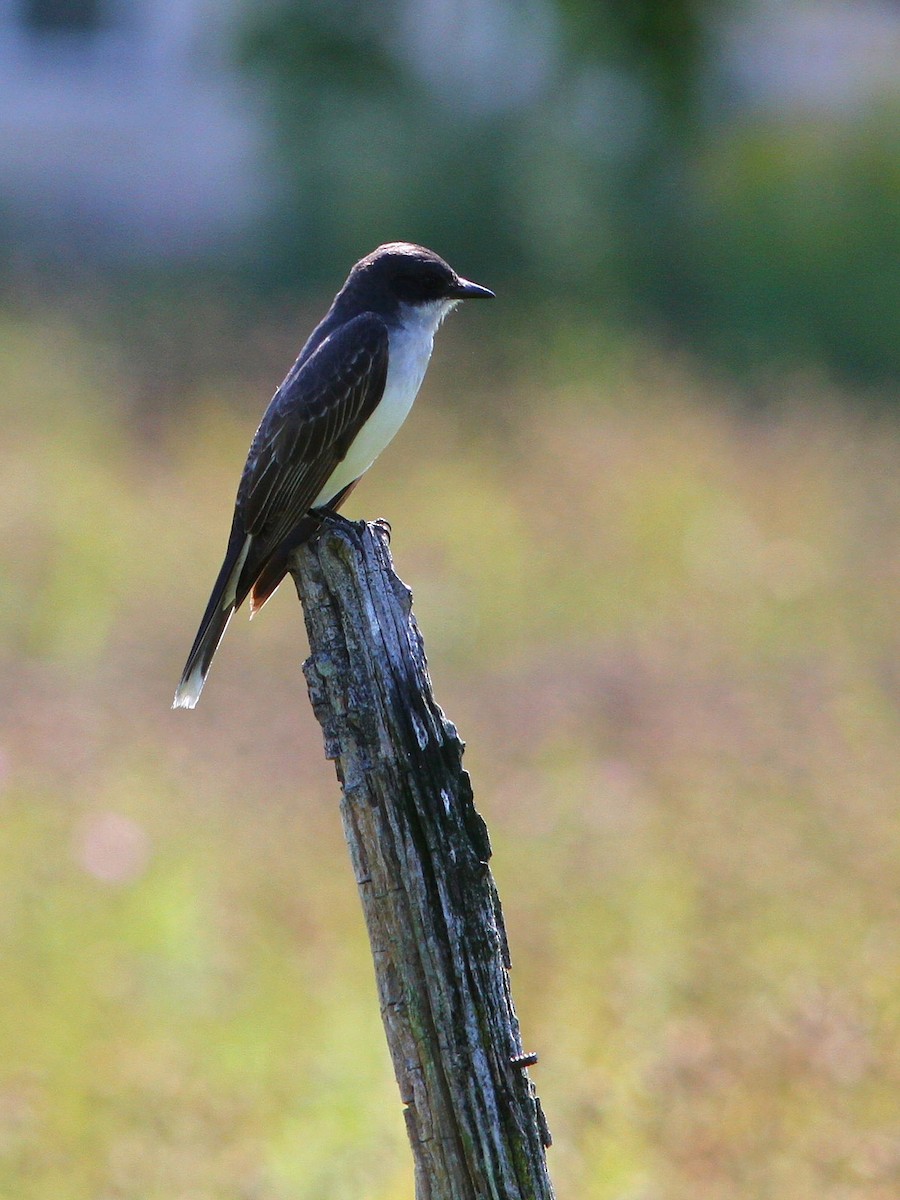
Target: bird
343,400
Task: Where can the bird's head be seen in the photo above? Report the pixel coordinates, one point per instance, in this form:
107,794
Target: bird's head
399,276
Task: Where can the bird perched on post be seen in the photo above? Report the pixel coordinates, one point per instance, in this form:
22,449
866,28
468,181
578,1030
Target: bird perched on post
342,401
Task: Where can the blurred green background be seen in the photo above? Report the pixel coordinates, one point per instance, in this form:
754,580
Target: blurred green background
648,505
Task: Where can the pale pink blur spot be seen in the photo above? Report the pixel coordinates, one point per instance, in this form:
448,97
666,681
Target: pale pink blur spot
112,848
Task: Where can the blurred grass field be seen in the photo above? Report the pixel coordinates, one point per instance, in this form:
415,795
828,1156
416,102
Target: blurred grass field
667,628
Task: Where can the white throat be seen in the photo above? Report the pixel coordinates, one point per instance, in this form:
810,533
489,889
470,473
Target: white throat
410,342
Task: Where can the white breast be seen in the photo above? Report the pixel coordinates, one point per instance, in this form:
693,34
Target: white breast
409,349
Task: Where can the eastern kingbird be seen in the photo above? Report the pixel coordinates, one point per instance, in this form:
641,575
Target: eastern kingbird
342,401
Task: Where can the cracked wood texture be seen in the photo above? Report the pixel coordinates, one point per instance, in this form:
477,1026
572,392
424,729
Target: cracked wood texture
420,855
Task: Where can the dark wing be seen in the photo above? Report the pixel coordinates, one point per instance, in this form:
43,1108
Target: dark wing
308,428
306,431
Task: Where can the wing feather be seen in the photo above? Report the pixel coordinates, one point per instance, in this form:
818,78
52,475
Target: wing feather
308,428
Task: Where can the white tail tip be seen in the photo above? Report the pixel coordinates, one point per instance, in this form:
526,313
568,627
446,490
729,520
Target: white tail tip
188,691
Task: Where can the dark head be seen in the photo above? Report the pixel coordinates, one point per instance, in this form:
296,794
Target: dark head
400,274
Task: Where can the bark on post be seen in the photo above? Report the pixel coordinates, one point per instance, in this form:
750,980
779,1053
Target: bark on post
419,852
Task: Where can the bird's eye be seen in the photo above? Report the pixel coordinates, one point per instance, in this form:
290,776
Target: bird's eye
419,285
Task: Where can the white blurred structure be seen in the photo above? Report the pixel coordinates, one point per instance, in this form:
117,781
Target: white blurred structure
825,56
123,126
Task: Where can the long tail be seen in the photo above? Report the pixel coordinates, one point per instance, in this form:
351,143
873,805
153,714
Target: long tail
221,606
249,569
197,668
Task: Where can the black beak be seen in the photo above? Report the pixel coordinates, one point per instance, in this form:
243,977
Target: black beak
463,289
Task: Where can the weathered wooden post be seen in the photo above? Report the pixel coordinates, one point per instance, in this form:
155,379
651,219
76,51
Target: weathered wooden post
420,853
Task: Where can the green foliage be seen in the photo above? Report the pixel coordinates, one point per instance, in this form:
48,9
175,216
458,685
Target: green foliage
668,634
587,160
665,44
805,217
366,153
